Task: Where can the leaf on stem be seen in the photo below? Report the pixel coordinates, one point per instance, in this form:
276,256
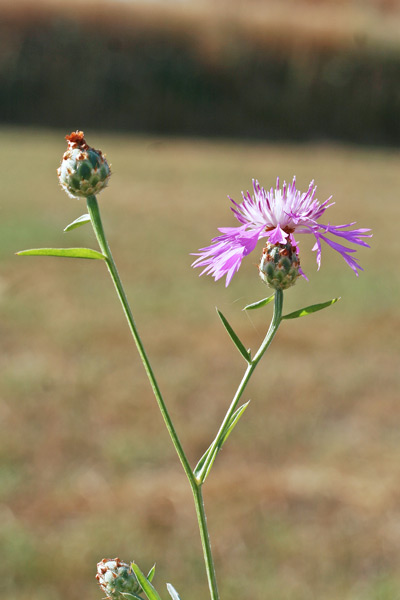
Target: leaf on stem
245,353
172,592
260,303
310,309
64,252
233,422
205,463
78,222
151,573
145,584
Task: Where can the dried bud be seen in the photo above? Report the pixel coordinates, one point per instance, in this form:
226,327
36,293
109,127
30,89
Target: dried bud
117,579
279,266
84,171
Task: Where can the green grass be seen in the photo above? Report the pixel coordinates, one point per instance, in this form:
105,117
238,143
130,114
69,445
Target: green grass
303,502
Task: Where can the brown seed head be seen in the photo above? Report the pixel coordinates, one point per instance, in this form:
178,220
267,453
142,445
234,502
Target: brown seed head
77,140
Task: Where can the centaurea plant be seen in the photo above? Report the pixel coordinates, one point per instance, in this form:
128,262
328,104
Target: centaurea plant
278,215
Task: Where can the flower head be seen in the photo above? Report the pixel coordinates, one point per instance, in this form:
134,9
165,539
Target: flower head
84,171
278,214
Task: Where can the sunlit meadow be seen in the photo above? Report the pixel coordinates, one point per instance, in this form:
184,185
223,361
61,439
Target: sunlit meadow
304,500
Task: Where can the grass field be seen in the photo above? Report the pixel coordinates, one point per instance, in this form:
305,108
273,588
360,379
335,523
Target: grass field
304,501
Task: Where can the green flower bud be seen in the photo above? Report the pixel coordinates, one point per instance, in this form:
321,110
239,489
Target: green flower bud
84,171
279,266
117,579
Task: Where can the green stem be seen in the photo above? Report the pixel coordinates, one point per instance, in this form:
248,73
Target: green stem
196,489
101,238
273,328
205,540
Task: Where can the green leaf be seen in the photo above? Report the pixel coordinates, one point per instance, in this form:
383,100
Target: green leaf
151,573
234,337
260,303
201,471
148,589
78,222
65,252
200,464
172,592
310,309
233,422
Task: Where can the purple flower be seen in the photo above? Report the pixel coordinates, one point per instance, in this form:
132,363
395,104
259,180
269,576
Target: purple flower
276,214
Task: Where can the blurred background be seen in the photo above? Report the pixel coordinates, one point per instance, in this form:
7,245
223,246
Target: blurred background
190,100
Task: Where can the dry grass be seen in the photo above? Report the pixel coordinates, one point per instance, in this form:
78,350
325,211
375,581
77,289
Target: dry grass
304,500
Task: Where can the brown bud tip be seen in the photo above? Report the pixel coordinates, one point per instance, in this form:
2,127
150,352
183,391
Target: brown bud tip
77,139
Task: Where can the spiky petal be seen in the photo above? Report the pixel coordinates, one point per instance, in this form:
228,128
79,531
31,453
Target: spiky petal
277,214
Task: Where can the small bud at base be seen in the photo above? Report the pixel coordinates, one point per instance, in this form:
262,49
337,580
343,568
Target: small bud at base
117,579
279,266
84,171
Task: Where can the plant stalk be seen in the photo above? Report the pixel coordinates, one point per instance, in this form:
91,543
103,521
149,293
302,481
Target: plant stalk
273,328
95,217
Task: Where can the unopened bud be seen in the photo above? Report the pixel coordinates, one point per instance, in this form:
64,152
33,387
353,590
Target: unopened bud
279,266
84,171
117,579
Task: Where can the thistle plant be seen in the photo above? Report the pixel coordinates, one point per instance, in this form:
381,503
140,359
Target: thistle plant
278,216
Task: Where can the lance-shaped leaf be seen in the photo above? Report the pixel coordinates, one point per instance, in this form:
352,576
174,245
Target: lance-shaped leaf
145,584
151,573
172,592
64,252
78,222
233,422
260,303
205,463
245,353
310,309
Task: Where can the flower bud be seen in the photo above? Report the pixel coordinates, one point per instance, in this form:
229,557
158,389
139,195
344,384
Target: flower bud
117,579
279,266
84,171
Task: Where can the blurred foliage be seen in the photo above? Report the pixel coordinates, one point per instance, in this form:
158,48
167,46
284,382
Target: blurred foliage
303,501
152,70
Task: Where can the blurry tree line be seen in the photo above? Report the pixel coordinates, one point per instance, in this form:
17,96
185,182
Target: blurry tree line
106,68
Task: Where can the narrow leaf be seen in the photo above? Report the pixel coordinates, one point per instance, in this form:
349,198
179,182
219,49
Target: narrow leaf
145,584
233,422
199,467
151,573
78,222
201,471
64,252
260,303
172,592
203,474
234,337
310,309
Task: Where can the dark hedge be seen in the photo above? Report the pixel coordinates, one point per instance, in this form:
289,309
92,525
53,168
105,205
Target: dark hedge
74,73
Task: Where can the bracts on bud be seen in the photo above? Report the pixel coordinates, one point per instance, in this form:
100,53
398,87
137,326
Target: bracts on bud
280,265
84,171
117,579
